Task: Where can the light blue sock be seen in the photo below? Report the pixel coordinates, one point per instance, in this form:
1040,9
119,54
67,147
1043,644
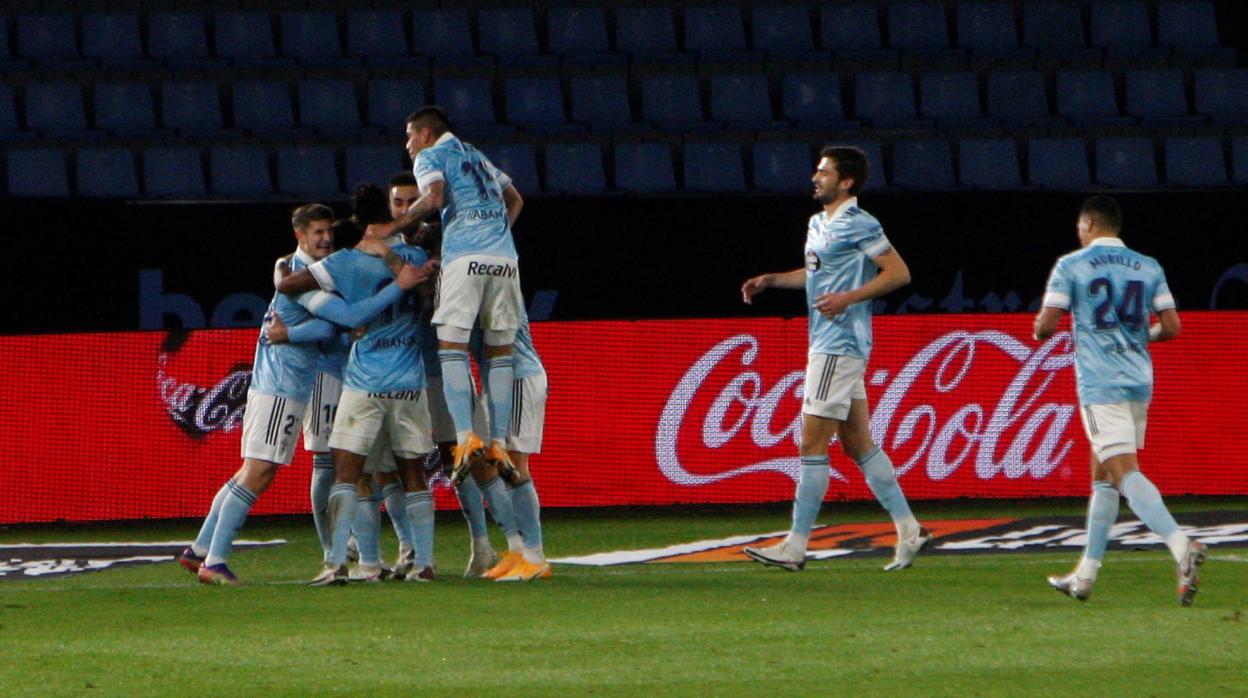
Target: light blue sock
1102,513
500,508
498,382
457,387
234,508
420,514
322,480
341,515
812,485
367,527
527,509
474,509
1144,499
396,509
204,539
882,479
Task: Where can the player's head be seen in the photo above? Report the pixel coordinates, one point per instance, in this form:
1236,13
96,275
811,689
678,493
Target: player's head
841,173
424,127
426,235
346,231
368,205
1099,216
313,224
403,193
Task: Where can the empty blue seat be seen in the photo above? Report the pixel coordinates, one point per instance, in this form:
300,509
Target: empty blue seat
574,168
467,101
375,164
850,27
714,167
951,98
245,38
671,100
312,37
1120,25
1058,163
1157,98
390,102
644,168
519,162
6,55
1018,97
1221,95
263,107
8,116
307,171
987,27
38,172
534,102
173,173
885,99
107,173
1187,24
1126,162
507,31
714,29
1052,25
916,26
1239,160
376,35
577,31
1087,96
782,166
240,172
645,30
782,29
55,109
192,108
990,163
111,37
813,99
443,32
600,101
924,165
329,106
47,38
178,38
1195,162
741,100
125,108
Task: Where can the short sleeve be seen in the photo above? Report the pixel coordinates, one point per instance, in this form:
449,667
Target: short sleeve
327,270
502,178
427,168
870,239
1162,298
1058,291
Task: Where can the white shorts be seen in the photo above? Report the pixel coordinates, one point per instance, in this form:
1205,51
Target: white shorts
1115,428
318,419
832,381
440,415
404,414
528,414
381,456
480,287
269,431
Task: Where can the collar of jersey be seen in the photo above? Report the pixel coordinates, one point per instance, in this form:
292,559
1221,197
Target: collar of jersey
304,257
1112,242
444,138
851,201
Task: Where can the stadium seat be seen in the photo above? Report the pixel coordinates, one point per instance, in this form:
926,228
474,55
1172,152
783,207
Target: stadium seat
55,108
671,100
7,62
519,161
377,36
173,173
374,164
988,28
645,30
1128,163
1187,25
467,101
535,102
644,168
782,30
107,173
1122,29
1195,162
48,39
240,172
178,38
952,98
1087,98
577,31
191,108
125,109
9,130
1018,97
441,33
886,100
989,163
1157,98
1055,31
714,167
507,31
1222,95
714,29
1058,163
850,27
914,26
312,38
390,101
813,100
574,168
741,100
113,39
782,166
329,106
922,165
600,101
307,171
37,173
246,39
263,108
1239,160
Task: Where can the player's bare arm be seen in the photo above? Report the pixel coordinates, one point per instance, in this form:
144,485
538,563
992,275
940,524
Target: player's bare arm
301,281
893,275
514,202
1045,325
795,279
1167,326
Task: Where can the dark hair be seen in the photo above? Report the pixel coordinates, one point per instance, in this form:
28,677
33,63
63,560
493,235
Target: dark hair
402,179
369,205
345,230
431,117
1104,211
301,217
851,163
429,238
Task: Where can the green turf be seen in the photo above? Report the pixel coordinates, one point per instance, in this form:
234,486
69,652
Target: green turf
952,625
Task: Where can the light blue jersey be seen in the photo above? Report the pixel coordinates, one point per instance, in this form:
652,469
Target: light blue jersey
839,249
286,370
1110,290
387,358
474,218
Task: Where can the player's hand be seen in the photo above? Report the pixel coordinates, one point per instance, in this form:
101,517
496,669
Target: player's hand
411,276
275,330
832,304
372,247
752,287
428,270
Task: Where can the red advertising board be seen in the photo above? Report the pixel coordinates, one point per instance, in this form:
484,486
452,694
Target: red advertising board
134,425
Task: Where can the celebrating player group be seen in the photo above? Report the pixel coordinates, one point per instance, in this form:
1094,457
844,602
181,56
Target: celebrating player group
370,348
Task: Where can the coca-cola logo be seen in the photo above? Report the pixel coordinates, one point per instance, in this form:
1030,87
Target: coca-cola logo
201,410
1024,433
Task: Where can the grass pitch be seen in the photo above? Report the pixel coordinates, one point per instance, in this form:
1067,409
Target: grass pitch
952,625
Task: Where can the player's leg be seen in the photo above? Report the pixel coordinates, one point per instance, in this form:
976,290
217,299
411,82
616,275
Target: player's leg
458,304
407,422
367,529
318,422
481,554
192,558
1102,513
527,422
492,488
499,381
356,428
393,494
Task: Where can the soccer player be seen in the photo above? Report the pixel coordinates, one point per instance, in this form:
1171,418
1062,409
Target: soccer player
849,262
480,277
403,193
1110,291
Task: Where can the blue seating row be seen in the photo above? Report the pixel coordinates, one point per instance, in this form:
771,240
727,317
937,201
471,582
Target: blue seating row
782,166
